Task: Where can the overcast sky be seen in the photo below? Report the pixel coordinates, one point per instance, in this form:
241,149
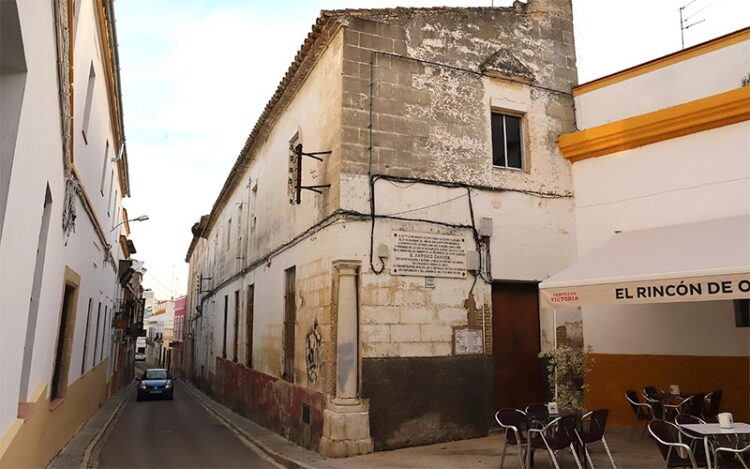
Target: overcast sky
197,73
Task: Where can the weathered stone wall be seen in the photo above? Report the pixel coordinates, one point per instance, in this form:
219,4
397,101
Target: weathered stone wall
288,409
402,318
419,87
432,121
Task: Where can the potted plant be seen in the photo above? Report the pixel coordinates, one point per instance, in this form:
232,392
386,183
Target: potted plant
566,368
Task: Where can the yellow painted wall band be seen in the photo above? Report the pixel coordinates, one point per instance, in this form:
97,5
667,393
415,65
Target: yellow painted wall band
684,119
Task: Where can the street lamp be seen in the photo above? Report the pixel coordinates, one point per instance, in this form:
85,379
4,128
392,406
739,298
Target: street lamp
141,218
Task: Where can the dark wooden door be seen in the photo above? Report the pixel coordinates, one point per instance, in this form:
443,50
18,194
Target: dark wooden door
516,344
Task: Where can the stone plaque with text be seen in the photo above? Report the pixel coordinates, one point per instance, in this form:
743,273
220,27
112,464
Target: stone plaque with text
428,254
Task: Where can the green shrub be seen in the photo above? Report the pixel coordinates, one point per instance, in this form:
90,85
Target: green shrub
566,368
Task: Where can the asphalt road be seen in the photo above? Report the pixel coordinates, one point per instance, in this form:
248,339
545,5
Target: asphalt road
177,433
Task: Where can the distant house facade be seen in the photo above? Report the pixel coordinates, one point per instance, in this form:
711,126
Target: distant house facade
178,337
68,323
367,275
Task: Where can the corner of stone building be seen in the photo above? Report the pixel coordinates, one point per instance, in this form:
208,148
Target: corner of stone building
560,31
346,429
562,8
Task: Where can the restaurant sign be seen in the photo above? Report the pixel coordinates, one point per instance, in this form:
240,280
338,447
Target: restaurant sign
711,288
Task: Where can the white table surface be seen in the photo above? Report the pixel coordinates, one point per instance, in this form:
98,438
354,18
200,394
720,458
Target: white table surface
715,428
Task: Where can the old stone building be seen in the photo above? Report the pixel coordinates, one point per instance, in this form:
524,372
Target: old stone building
373,255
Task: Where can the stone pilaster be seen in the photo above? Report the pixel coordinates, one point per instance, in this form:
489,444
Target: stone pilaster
346,419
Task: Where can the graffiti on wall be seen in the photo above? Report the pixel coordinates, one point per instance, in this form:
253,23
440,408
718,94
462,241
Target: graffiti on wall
313,343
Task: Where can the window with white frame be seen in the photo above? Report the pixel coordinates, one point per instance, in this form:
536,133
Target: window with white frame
507,140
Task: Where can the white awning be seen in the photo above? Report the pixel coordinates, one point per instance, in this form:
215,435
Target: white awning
704,261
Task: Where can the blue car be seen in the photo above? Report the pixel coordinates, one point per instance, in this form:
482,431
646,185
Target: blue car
155,383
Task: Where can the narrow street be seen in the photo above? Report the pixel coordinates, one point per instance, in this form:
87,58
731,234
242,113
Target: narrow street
177,433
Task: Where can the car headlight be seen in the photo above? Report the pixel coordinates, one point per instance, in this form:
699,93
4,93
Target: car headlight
142,385
169,386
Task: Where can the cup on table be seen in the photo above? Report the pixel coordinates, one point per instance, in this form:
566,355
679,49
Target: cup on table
726,420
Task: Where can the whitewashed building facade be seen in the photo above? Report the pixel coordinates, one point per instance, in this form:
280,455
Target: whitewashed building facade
63,239
662,186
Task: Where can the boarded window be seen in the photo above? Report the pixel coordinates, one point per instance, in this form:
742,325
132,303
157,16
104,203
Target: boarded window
96,333
249,319
104,332
224,342
86,336
104,169
290,318
229,234
235,350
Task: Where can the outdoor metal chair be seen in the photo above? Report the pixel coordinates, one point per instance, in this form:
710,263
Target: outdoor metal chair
695,405
593,426
514,422
677,406
712,403
737,457
643,411
557,435
688,419
667,436
654,396
538,415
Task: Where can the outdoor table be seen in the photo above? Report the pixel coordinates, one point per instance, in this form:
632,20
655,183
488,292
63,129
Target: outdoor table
681,395
709,429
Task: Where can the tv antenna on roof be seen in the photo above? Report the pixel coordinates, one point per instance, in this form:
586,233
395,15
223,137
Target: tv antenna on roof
685,19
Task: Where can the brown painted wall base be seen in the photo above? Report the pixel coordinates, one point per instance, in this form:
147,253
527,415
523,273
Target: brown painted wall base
418,401
48,428
612,375
269,401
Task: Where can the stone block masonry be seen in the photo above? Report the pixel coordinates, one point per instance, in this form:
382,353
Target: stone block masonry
430,70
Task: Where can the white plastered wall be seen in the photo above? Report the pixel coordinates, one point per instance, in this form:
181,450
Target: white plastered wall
38,162
698,77
697,177
38,145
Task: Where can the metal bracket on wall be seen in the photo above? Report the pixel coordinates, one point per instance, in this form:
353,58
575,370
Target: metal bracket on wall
295,173
200,284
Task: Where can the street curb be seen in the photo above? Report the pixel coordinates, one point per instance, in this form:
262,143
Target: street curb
92,446
78,451
277,457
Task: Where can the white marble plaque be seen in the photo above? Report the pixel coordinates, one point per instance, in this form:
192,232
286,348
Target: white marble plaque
428,254
468,341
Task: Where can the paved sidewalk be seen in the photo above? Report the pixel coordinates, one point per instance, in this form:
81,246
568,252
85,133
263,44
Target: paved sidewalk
485,453
82,444
475,453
